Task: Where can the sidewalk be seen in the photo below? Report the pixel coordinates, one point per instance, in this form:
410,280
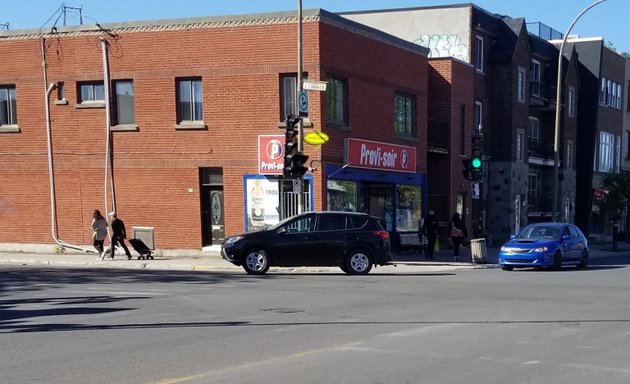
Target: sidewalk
211,261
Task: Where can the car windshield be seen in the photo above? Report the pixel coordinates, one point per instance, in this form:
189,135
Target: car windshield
540,232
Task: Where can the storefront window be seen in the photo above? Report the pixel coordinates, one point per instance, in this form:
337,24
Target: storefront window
342,195
408,210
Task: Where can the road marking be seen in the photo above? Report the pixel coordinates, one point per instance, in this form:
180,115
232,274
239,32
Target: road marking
256,363
177,379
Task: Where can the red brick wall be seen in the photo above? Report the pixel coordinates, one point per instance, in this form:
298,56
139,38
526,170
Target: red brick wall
451,86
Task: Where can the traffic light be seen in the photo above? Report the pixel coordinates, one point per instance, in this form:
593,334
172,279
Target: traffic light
476,161
297,167
467,171
293,159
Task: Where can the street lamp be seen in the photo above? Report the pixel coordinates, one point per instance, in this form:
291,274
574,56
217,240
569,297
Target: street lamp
556,138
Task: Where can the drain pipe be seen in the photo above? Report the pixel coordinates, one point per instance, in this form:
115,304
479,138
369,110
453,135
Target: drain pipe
53,200
109,164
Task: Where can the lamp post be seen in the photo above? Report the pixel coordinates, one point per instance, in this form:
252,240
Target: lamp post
556,139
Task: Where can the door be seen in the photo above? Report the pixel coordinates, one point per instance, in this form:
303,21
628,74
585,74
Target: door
294,243
212,206
213,216
381,200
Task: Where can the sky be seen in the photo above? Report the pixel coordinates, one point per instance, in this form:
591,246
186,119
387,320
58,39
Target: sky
607,20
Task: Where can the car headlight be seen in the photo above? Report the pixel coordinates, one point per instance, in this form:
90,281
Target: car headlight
233,240
505,249
541,249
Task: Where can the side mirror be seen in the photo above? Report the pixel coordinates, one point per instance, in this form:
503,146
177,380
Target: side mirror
282,230
512,237
566,237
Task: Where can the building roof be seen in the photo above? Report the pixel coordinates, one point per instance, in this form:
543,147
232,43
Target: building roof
228,21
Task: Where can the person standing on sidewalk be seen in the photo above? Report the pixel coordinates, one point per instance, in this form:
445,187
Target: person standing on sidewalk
430,230
458,233
99,231
119,235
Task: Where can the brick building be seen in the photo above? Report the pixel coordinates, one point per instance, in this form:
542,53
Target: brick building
196,106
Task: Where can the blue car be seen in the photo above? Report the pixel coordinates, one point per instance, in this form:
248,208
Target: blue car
545,245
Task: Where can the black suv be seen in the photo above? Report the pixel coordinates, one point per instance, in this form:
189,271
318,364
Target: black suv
351,241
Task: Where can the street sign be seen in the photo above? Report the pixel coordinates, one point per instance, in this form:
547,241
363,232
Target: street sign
297,185
475,192
303,103
314,85
316,138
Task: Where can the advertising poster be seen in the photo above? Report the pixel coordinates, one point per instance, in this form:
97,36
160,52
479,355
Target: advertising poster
262,197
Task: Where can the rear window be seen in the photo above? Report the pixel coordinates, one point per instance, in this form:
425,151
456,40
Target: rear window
367,223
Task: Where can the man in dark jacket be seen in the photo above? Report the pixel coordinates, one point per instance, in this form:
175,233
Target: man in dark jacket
119,234
430,230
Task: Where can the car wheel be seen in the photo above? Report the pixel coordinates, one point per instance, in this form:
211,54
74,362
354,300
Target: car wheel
256,261
507,267
358,262
584,260
557,261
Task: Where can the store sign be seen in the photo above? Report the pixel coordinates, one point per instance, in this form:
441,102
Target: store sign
376,155
270,154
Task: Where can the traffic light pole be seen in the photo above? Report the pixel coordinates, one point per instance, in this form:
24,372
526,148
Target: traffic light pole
299,90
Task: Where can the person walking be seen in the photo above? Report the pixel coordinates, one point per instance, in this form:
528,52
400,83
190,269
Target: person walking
457,233
119,235
99,231
430,229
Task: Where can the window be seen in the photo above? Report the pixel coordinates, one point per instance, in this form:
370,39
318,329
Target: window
532,189
124,100
478,127
519,145
303,224
404,115
520,88
61,91
91,92
602,91
536,76
571,102
288,95
189,100
8,109
628,97
569,159
337,101
619,93
617,153
627,148
332,222
479,58
608,92
534,131
606,151
341,195
408,207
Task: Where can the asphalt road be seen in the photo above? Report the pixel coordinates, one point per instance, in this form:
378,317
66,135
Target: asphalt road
467,326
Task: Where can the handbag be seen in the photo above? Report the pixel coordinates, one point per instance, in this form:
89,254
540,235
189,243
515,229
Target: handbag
456,232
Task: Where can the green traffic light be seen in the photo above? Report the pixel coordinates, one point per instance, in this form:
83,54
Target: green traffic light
476,162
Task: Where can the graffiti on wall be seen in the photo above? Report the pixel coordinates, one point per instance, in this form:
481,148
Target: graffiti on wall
444,45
